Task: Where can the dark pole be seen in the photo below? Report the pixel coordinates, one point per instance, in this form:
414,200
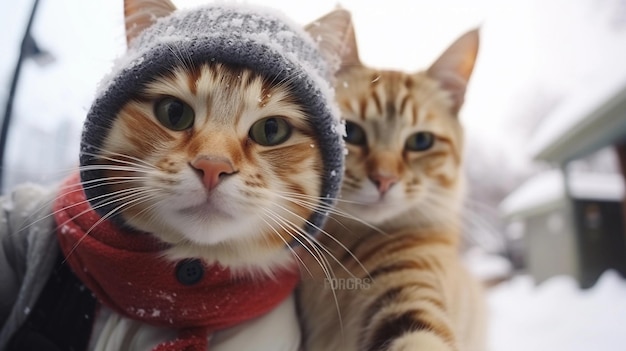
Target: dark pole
25,49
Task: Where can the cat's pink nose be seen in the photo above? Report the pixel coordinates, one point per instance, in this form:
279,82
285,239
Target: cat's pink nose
383,182
212,170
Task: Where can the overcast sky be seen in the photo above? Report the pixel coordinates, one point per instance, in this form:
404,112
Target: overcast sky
527,47
85,36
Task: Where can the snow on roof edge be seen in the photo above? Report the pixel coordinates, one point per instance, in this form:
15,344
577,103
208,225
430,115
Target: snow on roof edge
540,190
548,188
580,110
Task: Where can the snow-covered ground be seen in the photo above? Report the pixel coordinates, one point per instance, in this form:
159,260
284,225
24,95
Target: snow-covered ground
557,316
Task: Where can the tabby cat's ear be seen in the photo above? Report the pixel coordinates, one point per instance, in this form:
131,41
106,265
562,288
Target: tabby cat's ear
141,14
454,67
334,34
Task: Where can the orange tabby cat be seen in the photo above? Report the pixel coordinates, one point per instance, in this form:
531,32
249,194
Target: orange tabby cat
406,288
177,231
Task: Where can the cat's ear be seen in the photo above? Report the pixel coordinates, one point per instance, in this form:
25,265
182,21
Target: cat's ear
454,67
334,34
141,14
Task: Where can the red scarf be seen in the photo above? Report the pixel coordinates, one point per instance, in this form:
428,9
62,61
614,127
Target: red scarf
127,272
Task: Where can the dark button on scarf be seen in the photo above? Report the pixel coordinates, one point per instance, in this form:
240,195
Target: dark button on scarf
189,272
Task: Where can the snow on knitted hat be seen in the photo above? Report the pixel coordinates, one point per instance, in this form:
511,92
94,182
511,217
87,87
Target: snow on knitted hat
248,36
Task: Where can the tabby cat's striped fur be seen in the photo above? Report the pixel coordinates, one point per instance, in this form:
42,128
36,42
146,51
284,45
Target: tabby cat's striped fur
403,176
160,171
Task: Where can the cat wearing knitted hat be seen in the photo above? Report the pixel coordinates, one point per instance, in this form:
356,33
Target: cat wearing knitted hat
211,149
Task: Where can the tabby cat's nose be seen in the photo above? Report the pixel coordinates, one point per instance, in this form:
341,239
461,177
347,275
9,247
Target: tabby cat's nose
382,182
212,170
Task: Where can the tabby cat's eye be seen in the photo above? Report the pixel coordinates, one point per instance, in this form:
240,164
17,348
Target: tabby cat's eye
355,134
174,113
270,131
420,141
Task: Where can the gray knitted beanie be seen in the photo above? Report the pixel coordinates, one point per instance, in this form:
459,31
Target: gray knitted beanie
247,36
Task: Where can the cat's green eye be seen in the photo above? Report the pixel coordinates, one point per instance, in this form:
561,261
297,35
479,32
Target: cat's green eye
270,131
355,134
174,113
420,141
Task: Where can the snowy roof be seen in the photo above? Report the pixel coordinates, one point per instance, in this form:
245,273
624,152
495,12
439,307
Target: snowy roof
547,189
592,118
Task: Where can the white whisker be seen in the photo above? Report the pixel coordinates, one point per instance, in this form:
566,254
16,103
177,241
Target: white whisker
138,162
319,198
324,248
285,241
332,210
318,256
113,153
116,193
116,197
108,215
